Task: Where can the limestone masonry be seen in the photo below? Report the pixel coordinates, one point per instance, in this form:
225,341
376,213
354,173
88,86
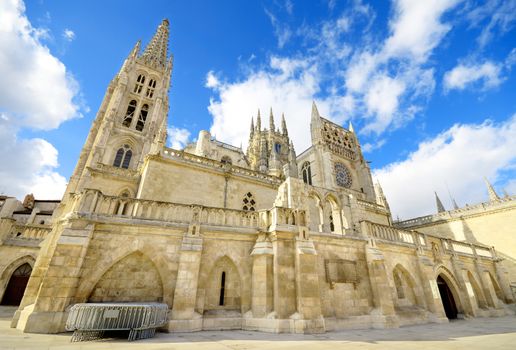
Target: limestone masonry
263,240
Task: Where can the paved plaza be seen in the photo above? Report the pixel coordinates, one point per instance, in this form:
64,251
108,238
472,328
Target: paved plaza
479,333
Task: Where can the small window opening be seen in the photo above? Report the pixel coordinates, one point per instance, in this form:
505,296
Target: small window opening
42,222
18,234
139,84
150,88
332,225
307,173
142,118
129,115
226,160
222,288
123,157
249,203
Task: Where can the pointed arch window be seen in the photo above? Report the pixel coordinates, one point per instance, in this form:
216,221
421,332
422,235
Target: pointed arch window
123,157
150,88
139,84
307,173
249,203
129,115
222,288
142,117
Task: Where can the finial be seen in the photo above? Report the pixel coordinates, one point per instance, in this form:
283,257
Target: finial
271,122
283,124
315,112
439,204
258,121
155,54
493,196
350,127
252,127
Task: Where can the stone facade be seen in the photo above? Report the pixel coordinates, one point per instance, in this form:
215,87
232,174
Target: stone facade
256,241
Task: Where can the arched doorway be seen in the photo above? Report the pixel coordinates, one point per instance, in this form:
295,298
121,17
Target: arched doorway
16,286
450,308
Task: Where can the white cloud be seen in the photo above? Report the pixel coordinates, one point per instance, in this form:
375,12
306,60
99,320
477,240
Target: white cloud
387,80
212,81
178,137
28,166
382,100
463,76
288,86
416,28
281,30
68,34
36,90
492,16
458,158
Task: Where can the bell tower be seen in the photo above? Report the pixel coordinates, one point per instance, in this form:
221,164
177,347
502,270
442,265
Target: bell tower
132,119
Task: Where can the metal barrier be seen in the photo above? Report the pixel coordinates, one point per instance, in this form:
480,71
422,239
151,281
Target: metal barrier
90,321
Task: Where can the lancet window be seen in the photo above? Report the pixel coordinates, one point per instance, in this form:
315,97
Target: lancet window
140,81
123,157
129,115
248,202
142,117
150,88
222,288
307,173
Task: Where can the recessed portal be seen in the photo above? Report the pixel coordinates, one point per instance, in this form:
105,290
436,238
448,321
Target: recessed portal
450,308
16,286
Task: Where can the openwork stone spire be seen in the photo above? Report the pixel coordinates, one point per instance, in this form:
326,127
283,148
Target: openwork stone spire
155,53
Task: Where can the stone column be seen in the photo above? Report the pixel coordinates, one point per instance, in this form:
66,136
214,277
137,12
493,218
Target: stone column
262,281
430,288
183,315
284,293
463,292
502,275
308,318
54,279
384,315
487,285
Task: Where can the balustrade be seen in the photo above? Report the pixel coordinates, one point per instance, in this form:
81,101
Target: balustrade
392,234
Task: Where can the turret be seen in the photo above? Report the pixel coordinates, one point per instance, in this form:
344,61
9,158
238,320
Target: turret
439,204
315,125
283,125
493,196
271,122
258,121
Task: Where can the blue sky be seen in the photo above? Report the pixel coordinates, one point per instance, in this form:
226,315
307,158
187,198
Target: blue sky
428,85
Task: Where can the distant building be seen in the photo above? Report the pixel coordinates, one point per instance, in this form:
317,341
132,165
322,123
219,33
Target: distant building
263,240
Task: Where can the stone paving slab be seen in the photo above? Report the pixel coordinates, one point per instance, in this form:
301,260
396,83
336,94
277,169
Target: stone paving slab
471,334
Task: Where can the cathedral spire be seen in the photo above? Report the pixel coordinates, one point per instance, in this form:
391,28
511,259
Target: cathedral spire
283,124
315,112
155,54
493,196
271,122
258,121
439,204
350,127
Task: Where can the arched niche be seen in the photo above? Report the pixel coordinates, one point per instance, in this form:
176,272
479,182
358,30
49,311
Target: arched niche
132,279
